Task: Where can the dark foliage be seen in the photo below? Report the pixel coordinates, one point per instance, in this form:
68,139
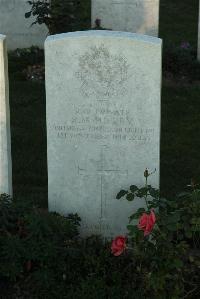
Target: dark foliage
61,15
181,61
170,249
42,256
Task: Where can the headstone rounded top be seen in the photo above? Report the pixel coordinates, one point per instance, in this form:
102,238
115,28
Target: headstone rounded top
104,34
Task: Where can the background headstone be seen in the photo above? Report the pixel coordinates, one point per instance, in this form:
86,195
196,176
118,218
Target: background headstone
139,16
5,142
19,32
103,123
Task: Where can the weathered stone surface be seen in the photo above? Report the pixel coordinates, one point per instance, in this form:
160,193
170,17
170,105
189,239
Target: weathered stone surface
139,16
19,32
5,143
103,123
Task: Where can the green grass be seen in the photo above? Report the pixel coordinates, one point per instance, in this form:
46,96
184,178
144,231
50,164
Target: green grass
180,154
28,129
179,21
180,140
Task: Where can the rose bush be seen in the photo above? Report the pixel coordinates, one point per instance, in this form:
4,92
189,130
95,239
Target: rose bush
163,241
60,16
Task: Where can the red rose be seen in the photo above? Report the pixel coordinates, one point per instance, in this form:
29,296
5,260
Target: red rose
146,222
118,245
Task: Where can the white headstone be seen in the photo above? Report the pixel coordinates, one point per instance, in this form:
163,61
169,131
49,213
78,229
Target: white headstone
5,143
103,123
19,32
139,16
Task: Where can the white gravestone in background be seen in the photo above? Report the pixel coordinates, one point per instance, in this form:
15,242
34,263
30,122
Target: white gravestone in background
5,142
103,123
19,32
139,16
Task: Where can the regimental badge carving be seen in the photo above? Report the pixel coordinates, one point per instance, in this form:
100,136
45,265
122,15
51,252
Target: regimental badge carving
102,74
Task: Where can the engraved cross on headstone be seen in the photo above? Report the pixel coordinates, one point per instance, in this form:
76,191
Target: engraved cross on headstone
102,170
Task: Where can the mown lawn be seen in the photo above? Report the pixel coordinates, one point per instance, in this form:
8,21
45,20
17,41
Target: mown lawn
180,134
28,130
180,154
179,21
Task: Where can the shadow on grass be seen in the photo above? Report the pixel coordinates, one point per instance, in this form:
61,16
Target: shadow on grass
28,130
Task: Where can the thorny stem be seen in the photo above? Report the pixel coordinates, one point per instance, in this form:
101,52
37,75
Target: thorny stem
146,175
146,181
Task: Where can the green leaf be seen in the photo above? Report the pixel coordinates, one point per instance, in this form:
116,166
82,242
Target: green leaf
133,188
141,192
195,228
121,194
153,192
137,214
130,196
141,210
172,204
183,194
178,263
188,234
173,218
133,230
180,236
171,227
132,217
195,220
27,14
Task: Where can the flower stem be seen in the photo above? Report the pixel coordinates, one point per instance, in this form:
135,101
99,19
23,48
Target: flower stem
146,181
